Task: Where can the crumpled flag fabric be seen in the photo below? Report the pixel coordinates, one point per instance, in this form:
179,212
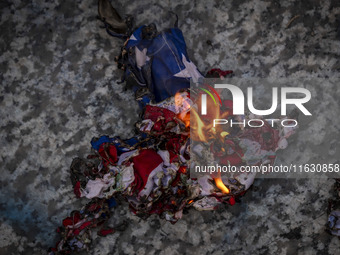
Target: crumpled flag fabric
164,58
151,171
334,223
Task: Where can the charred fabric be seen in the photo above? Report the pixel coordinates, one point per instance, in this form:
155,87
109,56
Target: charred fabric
151,170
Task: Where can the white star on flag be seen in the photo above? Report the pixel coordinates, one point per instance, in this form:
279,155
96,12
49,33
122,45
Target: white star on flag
190,70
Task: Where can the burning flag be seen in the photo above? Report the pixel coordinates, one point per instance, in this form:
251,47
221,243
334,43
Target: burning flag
151,171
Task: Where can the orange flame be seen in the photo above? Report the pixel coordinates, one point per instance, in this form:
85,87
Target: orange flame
190,202
183,107
202,126
198,128
201,129
221,186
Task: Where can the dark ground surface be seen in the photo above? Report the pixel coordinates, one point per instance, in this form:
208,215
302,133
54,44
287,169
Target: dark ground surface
59,89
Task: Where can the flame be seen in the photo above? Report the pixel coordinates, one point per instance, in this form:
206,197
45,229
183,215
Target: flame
198,129
221,186
201,129
182,106
219,183
185,118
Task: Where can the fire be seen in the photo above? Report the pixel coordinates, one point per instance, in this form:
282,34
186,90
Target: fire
220,185
201,129
185,118
182,106
202,126
198,129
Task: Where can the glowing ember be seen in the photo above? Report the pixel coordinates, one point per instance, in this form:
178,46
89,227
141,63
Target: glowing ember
190,202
